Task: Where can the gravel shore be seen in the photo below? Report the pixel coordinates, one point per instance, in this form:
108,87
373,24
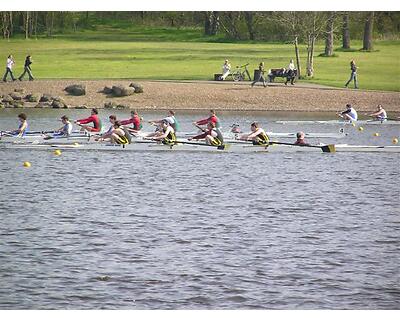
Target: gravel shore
202,95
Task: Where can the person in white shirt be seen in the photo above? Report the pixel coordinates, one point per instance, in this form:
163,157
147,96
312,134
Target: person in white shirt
10,63
226,69
171,120
380,114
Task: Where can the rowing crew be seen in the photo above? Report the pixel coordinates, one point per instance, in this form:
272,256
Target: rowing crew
350,114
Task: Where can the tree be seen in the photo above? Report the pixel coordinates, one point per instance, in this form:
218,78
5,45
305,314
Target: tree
249,16
329,34
211,23
345,31
369,24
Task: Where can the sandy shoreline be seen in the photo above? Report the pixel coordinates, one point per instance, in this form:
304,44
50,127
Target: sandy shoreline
203,95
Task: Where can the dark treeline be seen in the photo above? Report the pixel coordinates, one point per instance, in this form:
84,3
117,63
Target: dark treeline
287,27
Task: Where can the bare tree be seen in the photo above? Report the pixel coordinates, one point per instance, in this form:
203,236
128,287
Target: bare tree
249,16
369,24
27,18
211,23
345,31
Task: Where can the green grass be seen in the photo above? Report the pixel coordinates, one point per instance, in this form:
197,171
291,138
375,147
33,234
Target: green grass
184,54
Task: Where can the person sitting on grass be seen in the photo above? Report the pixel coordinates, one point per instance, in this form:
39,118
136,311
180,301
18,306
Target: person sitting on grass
226,69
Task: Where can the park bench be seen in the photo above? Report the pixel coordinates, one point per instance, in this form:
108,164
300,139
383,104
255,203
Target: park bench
282,73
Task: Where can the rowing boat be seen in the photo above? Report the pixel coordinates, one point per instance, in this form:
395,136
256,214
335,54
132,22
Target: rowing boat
341,122
292,135
144,146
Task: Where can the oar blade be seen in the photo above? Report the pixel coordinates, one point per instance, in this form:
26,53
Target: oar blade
328,148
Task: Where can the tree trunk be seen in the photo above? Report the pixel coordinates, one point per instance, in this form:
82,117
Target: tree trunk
310,55
250,24
207,23
27,25
214,23
329,35
296,50
11,25
369,24
346,32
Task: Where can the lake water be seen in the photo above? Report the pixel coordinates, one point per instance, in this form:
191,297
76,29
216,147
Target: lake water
90,230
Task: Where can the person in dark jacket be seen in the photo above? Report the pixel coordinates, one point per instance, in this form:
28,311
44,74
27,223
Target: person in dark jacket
27,69
260,75
353,75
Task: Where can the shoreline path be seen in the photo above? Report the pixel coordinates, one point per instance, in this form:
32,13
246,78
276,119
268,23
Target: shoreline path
203,95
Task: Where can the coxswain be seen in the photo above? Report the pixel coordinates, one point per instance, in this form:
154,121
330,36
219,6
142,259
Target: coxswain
257,135
94,118
173,122
212,118
135,120
380,114
212,135
22,127
166,135
350,114
300,139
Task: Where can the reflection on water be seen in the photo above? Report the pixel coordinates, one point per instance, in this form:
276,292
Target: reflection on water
93,230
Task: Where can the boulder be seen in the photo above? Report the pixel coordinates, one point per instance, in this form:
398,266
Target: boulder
20,90
138,87
107,90
16,96
122,106
2,105
8,105
57,104
81,107
122,91
18,104
110,105
76,90
7,98
45,98
33,97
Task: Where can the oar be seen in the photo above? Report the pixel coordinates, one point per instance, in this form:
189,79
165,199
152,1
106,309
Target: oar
220,147
196,125
324,148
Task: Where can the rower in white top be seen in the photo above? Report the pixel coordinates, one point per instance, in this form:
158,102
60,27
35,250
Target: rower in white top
350,114
257,135
64,131
380,114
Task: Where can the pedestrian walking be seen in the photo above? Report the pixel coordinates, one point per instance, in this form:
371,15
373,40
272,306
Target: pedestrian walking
260,76
27,69
9,66
353,75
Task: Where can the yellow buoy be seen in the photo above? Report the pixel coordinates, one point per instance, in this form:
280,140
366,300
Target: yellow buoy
395,141
376,134
353,124
27,164
57,152
360,128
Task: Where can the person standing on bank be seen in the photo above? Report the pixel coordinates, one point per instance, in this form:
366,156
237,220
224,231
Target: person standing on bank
10,63
27,69
353,75
260,76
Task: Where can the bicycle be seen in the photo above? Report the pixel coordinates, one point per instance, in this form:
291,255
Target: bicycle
239,74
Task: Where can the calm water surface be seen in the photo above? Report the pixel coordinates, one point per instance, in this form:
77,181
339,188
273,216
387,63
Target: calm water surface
91,230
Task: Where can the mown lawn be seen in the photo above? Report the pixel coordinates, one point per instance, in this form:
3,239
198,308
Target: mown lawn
164,55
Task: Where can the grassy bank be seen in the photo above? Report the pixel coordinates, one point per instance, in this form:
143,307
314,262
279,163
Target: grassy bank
159,54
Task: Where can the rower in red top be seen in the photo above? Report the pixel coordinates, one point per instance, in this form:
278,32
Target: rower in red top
94,118
212,118
212,135
135,120
300,139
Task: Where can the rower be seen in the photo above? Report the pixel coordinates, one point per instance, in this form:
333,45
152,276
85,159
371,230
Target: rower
170,118
212,135
135,120
257,135
349,114
94,118
300,139
22,127
166,135
380,114
212,118
117,135
64,131
107,135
